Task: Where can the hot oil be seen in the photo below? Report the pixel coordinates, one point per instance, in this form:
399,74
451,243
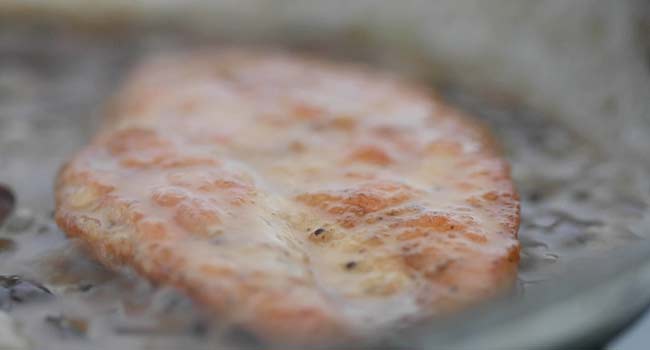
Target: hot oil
576,201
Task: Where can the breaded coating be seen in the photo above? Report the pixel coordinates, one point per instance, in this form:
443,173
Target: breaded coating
307,201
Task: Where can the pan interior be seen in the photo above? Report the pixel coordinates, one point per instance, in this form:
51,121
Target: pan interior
580,198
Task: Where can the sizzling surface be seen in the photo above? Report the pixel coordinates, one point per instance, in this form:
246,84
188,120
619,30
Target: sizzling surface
576,200
299,198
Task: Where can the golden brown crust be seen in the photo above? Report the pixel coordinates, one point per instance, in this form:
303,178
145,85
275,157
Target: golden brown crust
302,199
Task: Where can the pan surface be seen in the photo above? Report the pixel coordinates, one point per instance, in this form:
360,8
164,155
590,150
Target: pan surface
567,91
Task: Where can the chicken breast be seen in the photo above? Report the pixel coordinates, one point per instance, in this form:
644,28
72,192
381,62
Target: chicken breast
304,200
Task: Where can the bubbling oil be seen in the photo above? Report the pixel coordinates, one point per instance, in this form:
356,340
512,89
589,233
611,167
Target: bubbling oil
576,200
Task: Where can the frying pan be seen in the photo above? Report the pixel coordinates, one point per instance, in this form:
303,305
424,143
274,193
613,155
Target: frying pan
564,85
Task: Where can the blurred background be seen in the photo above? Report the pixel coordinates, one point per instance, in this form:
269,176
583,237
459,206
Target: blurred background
564,84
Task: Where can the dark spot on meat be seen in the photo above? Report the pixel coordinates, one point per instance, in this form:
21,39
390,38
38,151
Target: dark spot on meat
68,326
350,265
7,202
320,235
453,289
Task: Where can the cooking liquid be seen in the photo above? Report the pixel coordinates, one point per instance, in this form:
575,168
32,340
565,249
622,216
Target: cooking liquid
575,200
